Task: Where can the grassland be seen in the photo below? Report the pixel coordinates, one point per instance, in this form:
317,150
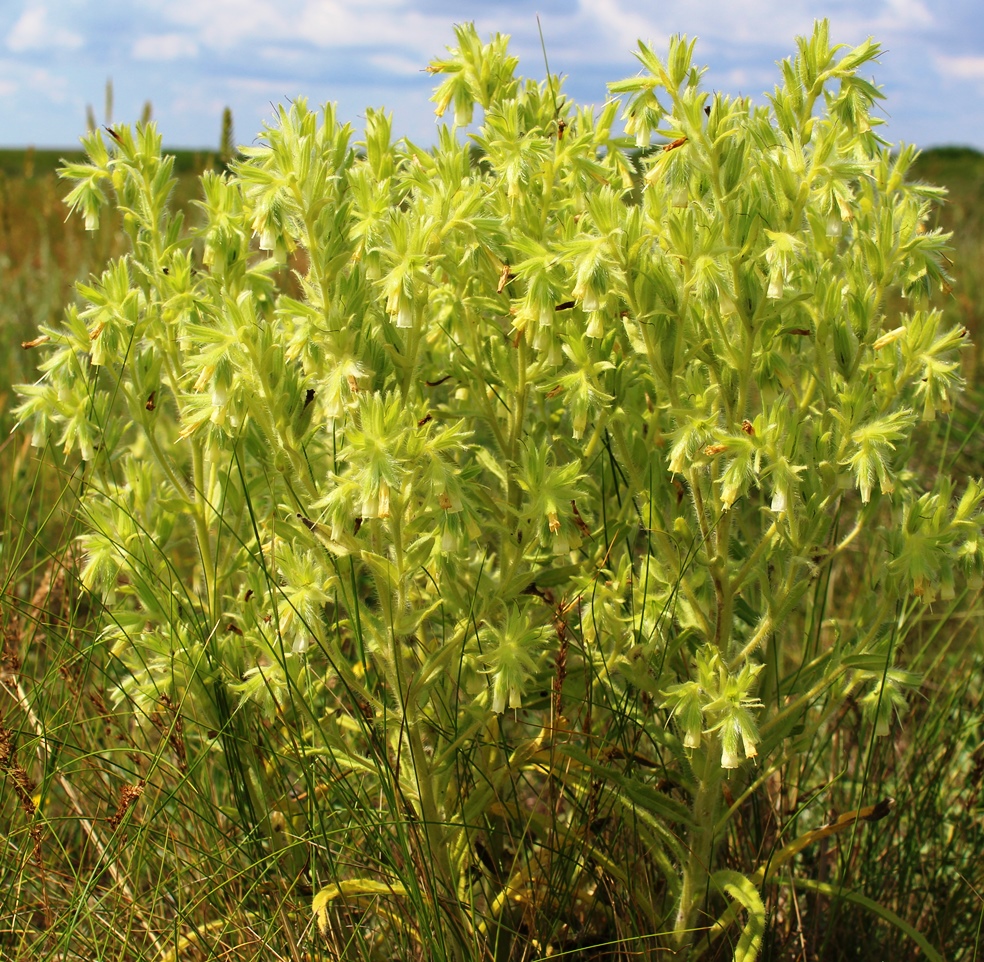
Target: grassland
116,834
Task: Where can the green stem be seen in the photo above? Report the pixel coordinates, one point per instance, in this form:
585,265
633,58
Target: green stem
802,701
412,344
202,534
722,583
596,435
765,628
765,543
430,813
519,407
435,829
697,867
167,465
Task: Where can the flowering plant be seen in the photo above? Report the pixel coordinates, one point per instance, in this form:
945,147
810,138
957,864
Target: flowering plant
509,476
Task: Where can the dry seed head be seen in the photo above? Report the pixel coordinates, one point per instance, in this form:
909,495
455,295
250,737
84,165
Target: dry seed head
128,796
23,786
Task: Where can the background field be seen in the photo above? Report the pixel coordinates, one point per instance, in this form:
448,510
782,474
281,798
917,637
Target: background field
73,886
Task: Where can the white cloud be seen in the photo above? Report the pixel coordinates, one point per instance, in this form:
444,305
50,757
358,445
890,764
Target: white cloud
961,68
904,15
394,64
33,31
620,28
253,85
339,23
716,24
749,81
223,24
22,82
328,24
164,46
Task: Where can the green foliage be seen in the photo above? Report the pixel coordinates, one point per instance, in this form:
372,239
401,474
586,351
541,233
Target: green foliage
397,442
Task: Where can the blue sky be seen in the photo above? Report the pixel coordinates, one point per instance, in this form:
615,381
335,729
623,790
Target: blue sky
191,58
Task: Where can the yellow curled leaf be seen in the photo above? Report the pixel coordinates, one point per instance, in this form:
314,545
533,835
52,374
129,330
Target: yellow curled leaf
353,887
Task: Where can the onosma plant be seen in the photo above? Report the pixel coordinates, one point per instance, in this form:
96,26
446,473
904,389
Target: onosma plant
502,485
